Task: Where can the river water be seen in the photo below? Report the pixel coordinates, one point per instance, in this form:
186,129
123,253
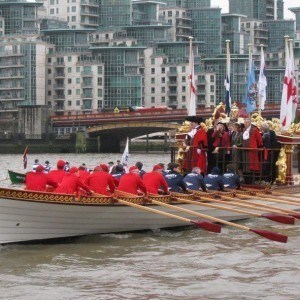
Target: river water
165,264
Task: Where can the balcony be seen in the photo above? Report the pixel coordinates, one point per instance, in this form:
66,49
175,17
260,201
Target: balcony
59,86
59,64
87,84
90,3
87,12
172,73
59,75
10,53
10,64
87,96
172,93
87,74
59,97
59,108
10,87
172,83
11,75
30,17
86,107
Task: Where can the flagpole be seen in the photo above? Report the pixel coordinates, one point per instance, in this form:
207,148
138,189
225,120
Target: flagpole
227,83
191,109
294,79
250,60
259,96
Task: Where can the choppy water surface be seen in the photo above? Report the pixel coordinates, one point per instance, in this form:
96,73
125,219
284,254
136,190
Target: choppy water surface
167,264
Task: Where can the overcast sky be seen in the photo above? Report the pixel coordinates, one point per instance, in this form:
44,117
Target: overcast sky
287,3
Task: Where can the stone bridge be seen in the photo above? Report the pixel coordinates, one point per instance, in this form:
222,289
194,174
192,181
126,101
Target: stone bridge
112,134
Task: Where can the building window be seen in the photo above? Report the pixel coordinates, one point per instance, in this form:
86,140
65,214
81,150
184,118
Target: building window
183,89
77,102
69,58
77,69
69,103
69,92
169,13
152,99
99,69
183,79
99,80
163,70
153,90
183,99
152,70
69,70
183,69
49,81
77,80
212,78
49,71
77,92
69,80
73,19
73,8
152,80
49,60
163,89
163,99
212,88
163,80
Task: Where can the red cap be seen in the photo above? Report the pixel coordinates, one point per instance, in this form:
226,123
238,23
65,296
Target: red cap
133,168
157,167
61,163
39,168
74,170
104,167
97,169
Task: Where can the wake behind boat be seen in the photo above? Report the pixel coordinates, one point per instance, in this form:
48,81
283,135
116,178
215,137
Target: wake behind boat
32,216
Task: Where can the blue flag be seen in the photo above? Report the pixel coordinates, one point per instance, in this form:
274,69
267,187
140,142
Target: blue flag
251,93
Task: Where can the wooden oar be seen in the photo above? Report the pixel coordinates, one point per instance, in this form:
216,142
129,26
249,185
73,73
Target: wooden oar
264,197
264,233
283,194
264,206
273,217
204,225
272,199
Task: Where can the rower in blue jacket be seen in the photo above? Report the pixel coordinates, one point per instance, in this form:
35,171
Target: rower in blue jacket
174,179
231,180
194,180
214,180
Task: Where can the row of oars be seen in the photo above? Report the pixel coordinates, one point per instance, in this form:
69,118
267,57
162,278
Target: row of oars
276,214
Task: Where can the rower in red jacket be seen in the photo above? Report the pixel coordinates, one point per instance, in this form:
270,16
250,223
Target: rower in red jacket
100,180
37,181
155,180
131,182
59,174
71,183
83,173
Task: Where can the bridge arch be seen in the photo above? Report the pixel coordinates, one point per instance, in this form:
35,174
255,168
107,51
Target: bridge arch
110,135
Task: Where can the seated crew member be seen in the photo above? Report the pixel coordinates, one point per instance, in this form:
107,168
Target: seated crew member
58,174
213,181
139,165
118,173
230,179
174,179
155,180
194,180
47,167
36,163
71,183
131,182
100,181
83,173
38,181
